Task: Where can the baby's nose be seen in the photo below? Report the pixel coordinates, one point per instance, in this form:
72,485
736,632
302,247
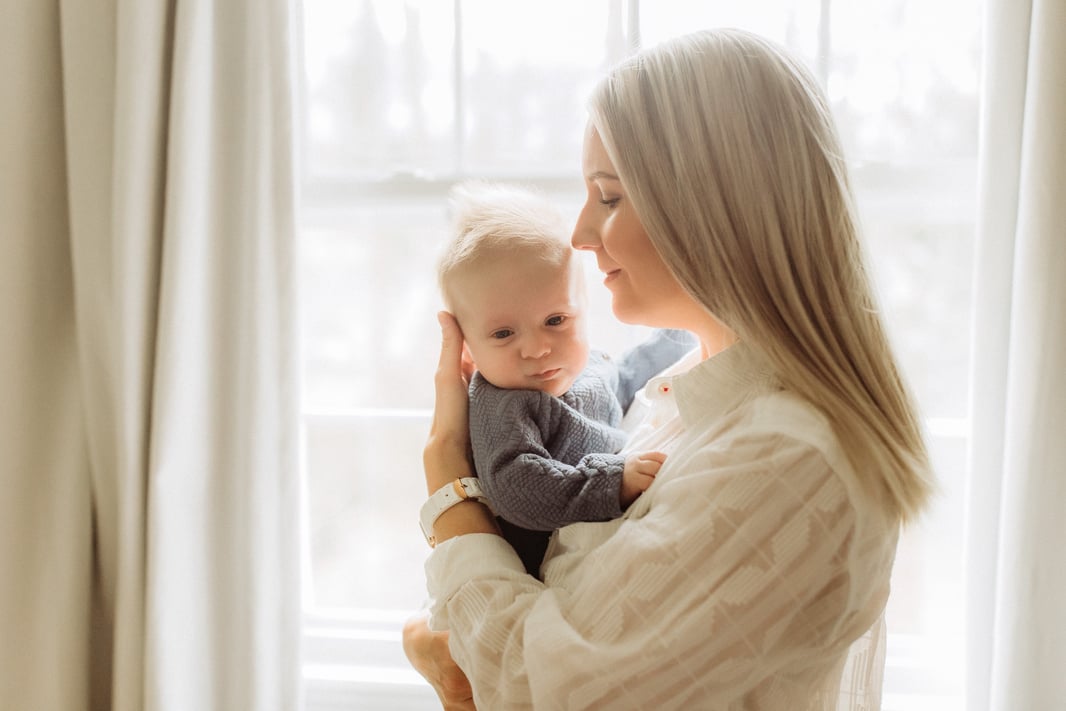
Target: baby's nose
535,347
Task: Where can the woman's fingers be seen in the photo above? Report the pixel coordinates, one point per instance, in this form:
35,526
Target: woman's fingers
451,345
450,408
445,454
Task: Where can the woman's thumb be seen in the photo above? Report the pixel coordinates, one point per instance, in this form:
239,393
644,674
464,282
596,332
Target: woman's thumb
449,327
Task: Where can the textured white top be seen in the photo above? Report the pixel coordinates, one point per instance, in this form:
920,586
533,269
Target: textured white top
738,580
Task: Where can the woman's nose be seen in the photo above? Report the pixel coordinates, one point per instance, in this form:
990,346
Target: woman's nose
585,234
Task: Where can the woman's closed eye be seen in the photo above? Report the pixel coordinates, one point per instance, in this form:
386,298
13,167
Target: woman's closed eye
610,202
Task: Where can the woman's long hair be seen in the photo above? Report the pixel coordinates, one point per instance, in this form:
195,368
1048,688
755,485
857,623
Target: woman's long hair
727,150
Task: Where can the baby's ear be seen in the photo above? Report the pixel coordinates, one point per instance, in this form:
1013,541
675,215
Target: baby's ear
467,362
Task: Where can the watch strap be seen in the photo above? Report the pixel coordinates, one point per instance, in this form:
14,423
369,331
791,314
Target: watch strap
444,498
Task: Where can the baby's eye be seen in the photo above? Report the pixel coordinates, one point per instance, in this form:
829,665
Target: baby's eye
503,333
555,321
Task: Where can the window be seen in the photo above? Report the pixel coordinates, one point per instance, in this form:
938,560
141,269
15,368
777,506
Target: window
402,99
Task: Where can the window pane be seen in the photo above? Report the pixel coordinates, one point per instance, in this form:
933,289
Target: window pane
791,22
918,224
379,88
366,547
925,614
369,304
527,71
904,81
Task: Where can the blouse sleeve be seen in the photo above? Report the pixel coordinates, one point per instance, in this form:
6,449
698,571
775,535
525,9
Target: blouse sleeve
735,587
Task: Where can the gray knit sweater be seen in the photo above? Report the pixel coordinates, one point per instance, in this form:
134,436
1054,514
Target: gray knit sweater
545,461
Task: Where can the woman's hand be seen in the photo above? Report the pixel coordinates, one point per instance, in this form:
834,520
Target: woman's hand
428,653
445,456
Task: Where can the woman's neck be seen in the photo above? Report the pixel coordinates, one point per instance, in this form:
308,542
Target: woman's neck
714,337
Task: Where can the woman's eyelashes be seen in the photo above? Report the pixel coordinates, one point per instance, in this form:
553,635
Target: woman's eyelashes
610,202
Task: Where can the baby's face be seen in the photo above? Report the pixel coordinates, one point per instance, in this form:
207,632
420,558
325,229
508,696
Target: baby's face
523,322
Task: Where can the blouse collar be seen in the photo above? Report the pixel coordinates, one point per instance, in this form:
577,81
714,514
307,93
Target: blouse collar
712,387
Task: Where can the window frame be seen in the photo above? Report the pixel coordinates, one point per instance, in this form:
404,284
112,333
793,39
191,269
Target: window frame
353,657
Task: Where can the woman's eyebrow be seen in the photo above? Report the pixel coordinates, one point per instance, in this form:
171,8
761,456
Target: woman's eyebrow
601,175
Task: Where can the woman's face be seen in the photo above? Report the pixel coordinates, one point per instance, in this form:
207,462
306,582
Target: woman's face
642,288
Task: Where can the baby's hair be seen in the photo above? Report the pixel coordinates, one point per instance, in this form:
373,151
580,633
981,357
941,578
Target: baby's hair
493,221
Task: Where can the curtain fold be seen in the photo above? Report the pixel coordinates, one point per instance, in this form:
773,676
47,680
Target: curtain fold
1016,574
148,293
45,521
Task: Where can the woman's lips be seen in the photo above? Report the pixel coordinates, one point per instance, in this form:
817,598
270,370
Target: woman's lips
610,276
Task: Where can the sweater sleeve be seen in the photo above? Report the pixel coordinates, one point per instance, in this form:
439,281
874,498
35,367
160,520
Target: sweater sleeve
740,586
528,487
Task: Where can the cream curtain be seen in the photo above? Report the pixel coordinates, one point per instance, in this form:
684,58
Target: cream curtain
148,432
1016,570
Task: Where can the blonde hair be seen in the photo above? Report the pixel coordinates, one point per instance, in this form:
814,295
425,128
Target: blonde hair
727,149
492,221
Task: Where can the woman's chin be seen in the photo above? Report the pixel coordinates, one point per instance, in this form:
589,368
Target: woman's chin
659,313
626,313
619,310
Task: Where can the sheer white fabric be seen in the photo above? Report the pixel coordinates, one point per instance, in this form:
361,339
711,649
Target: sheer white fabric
1016,498
740,579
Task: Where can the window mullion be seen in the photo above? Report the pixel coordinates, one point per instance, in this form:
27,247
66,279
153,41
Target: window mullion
824,41
633,41
457,68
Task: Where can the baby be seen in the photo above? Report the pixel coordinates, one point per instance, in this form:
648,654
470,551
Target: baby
544,409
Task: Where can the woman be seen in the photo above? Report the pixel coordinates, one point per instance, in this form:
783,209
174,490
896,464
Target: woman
718,203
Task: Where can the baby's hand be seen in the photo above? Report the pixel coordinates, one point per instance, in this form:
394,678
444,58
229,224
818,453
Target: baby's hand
637,475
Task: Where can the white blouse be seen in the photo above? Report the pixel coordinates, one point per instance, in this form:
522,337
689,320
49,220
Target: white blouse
739,580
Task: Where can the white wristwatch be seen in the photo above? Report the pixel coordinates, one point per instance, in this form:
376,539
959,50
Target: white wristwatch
443,499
